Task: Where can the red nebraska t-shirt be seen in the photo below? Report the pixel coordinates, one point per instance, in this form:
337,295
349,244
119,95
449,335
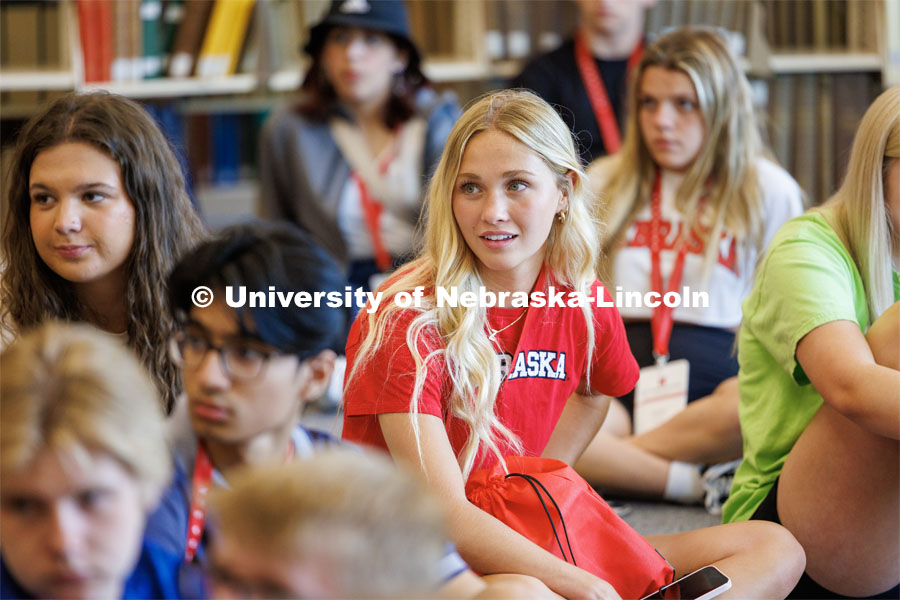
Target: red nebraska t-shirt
543,356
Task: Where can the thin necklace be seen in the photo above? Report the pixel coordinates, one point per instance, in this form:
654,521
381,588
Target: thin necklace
495,332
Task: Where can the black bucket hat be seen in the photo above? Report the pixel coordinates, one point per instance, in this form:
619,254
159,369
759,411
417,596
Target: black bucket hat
386,16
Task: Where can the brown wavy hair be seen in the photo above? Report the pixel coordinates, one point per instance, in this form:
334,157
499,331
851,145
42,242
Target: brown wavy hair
166,225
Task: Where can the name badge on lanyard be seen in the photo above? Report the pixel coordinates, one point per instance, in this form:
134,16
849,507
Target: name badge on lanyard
660,394
662,390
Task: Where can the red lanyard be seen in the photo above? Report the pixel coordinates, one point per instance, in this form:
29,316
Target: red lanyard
199,489
596,91
662,321
203,471
373,208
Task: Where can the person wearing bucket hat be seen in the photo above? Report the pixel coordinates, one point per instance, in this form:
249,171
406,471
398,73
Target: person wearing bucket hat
348,161
386,16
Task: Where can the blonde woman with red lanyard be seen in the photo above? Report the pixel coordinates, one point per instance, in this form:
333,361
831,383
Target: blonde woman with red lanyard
691,201
348,162
585,79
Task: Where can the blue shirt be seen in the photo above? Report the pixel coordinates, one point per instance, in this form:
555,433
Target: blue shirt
168,524
154,576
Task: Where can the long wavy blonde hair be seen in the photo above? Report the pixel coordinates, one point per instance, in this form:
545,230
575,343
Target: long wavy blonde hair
457,334
861,214
725,167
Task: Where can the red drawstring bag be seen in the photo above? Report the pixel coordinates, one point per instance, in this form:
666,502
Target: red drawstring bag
549,503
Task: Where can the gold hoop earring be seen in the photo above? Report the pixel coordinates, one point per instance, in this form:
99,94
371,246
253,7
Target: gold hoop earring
561,216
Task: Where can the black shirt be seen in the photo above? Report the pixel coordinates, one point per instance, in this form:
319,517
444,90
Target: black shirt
555,78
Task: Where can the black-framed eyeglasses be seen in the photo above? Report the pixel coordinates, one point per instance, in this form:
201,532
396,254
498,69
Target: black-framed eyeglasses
240,359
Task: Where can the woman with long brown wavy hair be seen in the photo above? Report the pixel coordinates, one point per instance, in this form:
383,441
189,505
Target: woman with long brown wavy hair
97,215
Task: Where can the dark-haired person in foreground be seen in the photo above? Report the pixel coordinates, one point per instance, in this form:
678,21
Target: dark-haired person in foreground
249,371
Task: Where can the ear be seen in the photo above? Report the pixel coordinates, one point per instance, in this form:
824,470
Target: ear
321,367
563,203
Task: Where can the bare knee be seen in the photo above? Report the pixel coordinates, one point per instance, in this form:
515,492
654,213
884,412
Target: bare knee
728,387
884,338
781,544
784,556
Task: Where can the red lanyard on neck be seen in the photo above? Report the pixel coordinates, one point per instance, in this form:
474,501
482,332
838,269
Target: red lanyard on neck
199,489
662,321
372,208
596,91
200,483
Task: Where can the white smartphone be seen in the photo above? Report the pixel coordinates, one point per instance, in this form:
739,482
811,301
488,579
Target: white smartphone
702,584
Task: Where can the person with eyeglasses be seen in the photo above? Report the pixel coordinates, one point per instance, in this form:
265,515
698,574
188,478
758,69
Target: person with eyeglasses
248,372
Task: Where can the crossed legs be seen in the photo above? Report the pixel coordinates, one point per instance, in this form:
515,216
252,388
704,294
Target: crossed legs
839,491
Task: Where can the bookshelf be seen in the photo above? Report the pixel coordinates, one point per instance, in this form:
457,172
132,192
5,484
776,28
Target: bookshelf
498,37
795,49
16,81
167,87
825,62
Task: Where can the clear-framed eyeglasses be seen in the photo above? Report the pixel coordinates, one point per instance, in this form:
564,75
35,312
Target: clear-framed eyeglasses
240,359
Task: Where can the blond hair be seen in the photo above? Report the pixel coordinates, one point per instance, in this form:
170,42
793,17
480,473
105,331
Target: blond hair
457,334
77,390
378,530
724,171
861,215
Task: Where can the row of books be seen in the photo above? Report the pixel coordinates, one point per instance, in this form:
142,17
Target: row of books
140,39
127,40
520,29
31,35
731,15
824,25
812,119
137,39
215,149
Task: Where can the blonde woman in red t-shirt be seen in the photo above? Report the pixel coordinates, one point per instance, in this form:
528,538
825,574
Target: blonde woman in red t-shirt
447,389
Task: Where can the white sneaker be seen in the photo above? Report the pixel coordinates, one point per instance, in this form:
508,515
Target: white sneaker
717,481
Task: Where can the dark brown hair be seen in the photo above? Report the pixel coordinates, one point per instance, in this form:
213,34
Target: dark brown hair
166,225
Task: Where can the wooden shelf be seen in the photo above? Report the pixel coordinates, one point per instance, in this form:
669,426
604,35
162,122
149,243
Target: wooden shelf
287,80
17,81
443,71
175,88
824,62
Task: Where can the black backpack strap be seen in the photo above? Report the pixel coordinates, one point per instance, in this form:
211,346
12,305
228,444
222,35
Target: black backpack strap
534,483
